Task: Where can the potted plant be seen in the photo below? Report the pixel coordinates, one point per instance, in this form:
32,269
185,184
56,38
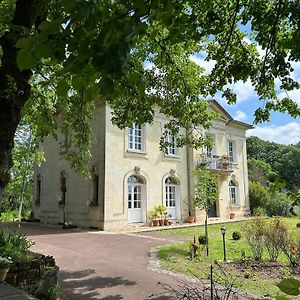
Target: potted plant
4,267
161,210
166,221
190,218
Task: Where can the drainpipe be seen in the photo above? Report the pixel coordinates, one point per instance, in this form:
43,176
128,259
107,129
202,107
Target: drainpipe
190,159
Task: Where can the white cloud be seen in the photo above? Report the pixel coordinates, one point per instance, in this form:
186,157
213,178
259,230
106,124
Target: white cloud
240,116
294,95
200,60
284,134
244,91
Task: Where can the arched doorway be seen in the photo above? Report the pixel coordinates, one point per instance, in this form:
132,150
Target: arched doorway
172,197
135,197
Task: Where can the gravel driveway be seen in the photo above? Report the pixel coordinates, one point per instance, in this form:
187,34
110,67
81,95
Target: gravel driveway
98,265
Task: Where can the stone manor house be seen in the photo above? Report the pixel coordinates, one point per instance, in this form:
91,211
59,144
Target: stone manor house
130,175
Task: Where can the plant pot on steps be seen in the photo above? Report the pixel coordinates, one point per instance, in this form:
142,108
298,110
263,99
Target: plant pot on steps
155,222
231,215
190,219
3,273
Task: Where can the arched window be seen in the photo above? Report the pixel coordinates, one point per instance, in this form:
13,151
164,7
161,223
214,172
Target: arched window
171,189
134,191
233,192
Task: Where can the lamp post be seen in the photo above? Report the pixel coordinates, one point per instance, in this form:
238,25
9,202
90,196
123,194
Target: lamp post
223,231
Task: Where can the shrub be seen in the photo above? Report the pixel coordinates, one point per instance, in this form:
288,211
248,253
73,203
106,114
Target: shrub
13,244
259,211
9,216
276,237
202,239
292,249
253,232
4,262
258,195
53,293
236,235
298,225
278,205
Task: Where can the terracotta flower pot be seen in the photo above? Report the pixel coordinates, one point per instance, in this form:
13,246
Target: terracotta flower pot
231,215
166,222
161,222
155,222
3,273
190,219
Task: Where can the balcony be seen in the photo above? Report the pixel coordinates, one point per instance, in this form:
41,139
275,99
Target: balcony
216,163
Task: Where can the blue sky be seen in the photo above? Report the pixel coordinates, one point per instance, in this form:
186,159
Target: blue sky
281,129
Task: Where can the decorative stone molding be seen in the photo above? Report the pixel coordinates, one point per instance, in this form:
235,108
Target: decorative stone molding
137,170
173,173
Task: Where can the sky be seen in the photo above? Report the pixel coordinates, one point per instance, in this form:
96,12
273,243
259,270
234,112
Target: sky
281,129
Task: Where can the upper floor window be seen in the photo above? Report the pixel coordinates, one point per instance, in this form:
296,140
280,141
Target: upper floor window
135,137
172,148
231,151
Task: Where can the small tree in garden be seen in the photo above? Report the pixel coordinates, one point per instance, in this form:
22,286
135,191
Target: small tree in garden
254,233
276,237
206,193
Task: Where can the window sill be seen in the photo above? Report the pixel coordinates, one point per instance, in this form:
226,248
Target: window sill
171,157
135,153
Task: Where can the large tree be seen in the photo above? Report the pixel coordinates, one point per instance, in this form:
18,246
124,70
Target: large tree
136,56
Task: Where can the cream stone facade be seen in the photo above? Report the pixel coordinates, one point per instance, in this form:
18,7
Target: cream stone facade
130,175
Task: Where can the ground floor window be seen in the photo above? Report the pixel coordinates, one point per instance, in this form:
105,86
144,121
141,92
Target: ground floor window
232,192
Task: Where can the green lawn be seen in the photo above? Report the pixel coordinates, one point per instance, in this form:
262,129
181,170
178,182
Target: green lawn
253,279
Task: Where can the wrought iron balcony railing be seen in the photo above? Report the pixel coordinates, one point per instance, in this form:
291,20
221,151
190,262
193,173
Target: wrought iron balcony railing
214,162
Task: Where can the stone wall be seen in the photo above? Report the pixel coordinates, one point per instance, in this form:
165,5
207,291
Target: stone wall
34,276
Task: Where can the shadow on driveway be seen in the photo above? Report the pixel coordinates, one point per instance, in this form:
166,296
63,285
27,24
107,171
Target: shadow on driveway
85,285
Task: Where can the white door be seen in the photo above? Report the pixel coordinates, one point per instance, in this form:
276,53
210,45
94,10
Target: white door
134,200
171,194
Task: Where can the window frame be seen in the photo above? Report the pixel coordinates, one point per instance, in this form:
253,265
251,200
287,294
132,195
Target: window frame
136,142
231,150
233,190
172,149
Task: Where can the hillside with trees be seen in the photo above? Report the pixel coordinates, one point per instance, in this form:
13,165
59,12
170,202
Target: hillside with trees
274,175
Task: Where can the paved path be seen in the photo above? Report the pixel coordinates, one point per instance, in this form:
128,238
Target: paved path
98,265
8,292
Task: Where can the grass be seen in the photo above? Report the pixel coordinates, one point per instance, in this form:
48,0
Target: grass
177,257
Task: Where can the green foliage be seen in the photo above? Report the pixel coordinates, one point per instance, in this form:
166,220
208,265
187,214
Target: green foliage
53,293
176,258
160,210
298,225
236,235
284,161
206,188
4,262
254,233
82,53
278,204
202,239
13,244
20,188
258,196
276,237
290,286
9,216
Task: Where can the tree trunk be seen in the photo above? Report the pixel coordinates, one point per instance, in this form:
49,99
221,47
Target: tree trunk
206,232
14,86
